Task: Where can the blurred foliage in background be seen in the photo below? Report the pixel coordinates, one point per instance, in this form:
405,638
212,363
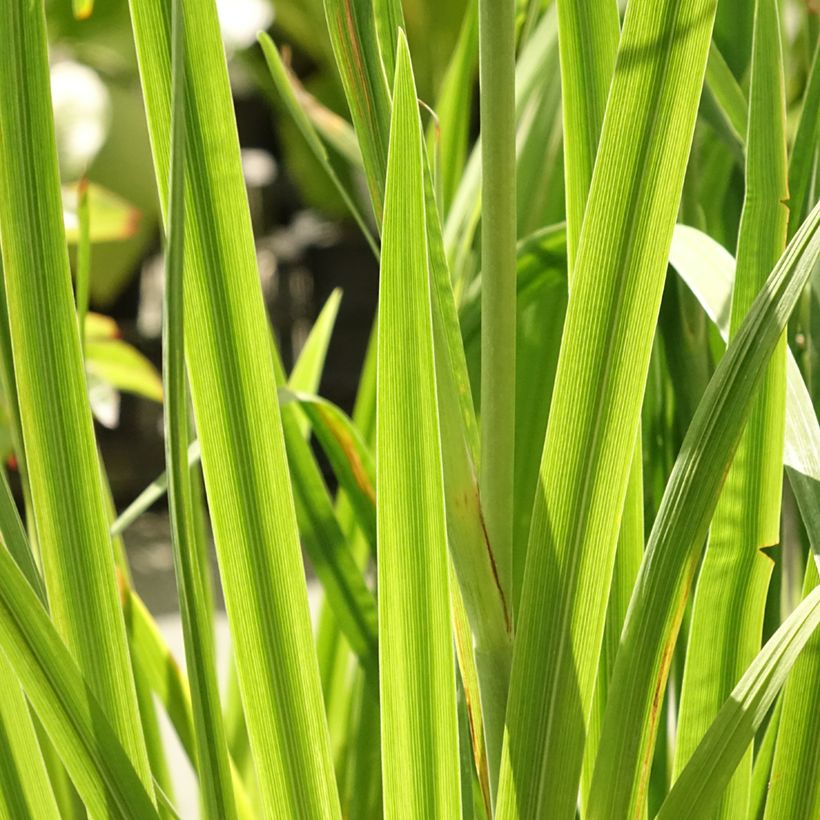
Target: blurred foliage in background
101,129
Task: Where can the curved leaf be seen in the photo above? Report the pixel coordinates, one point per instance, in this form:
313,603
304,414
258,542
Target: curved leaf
677,538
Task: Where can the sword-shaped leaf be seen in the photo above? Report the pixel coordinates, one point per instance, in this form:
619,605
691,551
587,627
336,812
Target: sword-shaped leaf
677,539
63,468
231,374
592,429
419,727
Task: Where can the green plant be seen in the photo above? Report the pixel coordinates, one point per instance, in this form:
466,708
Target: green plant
537,395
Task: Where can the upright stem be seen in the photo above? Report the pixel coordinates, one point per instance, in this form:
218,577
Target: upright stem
498,236
498,297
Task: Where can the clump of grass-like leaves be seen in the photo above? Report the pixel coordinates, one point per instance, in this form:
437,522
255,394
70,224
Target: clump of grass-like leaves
565,463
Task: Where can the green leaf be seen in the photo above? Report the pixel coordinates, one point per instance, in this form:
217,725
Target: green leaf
764,754
595,412
588,38
729,602
481,592
465,652
447,136
64,475
419,727
82,274
63,701
353,604
473,559
676,542
700,785
285,86
192,588
708,270
588,41
389,19
162,673
16,541
25,790
238,420
322,536
794,782
352,29
8,381
307,372
804,148
150,495
628,556
729,96
350,458
496,57
324,541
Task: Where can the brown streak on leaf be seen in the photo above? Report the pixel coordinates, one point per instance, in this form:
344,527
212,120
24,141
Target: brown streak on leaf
357,54
507,622
660,686
479,750
349,449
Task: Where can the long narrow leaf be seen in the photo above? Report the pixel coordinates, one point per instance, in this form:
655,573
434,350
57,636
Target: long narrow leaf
708,270
308,368
83,737
281,80
352,28
419,727
728,94
194,598
484,599
676,542
804,149
588,35
496,57
350,458
166,680
69,508
700,785
613,305
238,420
25,790
729,602
352,602
305,376
447,137
794,782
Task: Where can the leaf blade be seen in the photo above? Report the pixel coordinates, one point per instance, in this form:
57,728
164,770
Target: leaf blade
676,540
699,787
58,436
729,602
596,401
238,420
419,727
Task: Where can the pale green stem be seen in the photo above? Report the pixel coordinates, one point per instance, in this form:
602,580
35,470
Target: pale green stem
497,99
498,306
